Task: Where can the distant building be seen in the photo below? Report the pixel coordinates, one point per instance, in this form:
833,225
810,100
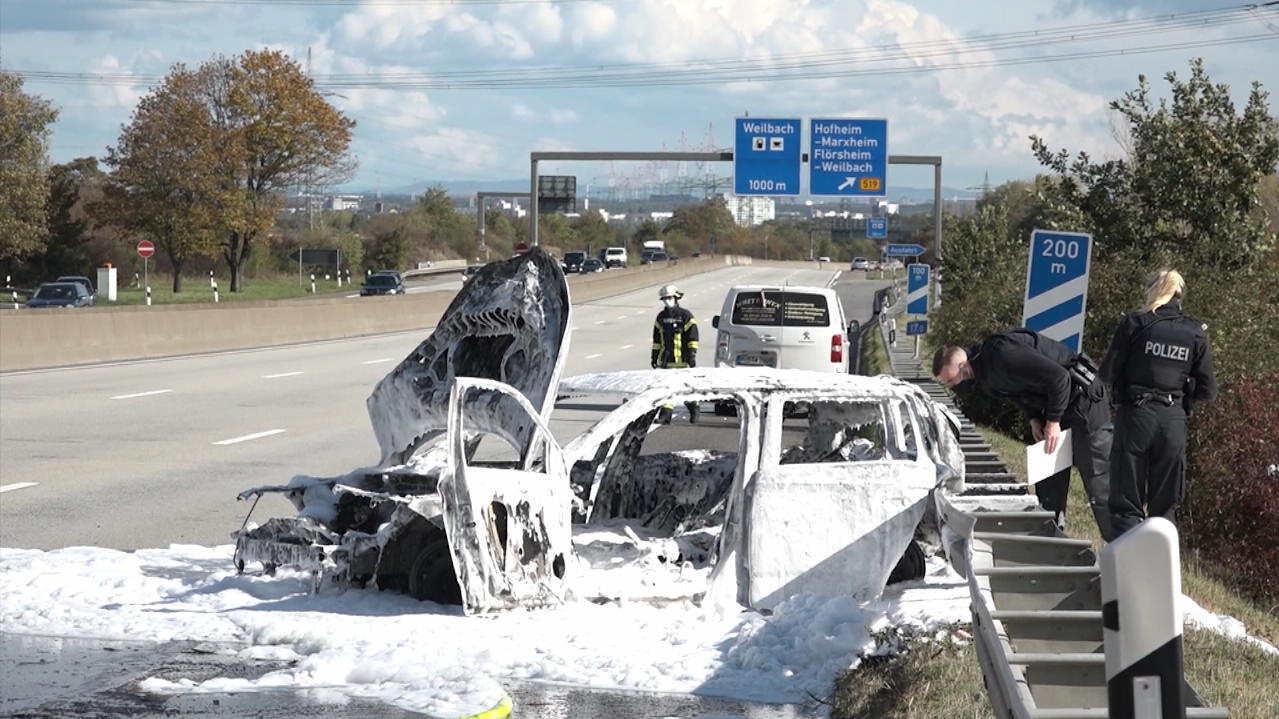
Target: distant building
749,211
343,203
884,209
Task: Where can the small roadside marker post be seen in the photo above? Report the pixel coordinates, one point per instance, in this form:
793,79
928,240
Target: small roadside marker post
312,283
212,284
1141,623
215,291
148,295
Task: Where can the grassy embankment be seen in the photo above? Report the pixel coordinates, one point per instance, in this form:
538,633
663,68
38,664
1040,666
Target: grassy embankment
931,680
196,289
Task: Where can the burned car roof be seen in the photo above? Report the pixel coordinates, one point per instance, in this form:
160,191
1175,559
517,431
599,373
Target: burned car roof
741,379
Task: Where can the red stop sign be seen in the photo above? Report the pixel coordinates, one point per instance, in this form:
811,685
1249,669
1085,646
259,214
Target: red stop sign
146,248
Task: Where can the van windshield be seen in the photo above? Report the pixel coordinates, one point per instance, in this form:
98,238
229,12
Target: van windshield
765,309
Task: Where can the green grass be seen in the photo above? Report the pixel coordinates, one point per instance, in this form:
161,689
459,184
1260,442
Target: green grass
927,680
196,289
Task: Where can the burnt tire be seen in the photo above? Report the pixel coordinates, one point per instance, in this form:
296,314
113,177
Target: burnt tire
912,565
431,577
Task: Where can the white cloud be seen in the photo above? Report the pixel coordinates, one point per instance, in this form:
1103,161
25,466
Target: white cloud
455,150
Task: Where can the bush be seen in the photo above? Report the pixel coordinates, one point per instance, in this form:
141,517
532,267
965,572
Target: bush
1231,514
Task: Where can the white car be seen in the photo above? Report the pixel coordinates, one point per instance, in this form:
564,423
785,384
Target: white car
474,502
614,257
793,327
860,263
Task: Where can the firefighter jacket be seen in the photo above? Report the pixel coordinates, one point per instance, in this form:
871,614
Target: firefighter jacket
674,338
1163,352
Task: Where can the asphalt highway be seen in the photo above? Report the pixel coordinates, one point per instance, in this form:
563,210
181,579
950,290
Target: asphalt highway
153,453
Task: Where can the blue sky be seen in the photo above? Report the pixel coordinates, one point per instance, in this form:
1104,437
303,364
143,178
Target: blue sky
977,114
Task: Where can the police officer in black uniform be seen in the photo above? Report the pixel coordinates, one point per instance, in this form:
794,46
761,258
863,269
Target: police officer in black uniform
675,342
1053,387
1159,361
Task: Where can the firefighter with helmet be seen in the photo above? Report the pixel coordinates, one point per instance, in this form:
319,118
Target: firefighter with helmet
674,342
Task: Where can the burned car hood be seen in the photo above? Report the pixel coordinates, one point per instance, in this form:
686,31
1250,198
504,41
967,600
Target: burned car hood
508,323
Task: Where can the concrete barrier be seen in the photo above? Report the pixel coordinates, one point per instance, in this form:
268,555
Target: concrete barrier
34,339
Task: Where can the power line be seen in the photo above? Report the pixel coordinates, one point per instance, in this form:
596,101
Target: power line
847,62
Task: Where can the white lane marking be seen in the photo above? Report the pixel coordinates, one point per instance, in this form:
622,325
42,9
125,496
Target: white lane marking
282,374
593,356
247,437
16,485
622,317
377,361
574,328
141,394
626,347
600,322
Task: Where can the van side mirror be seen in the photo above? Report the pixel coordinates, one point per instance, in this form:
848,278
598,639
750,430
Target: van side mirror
715,322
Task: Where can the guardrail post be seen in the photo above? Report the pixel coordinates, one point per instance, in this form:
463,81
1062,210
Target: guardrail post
1141,623
148,295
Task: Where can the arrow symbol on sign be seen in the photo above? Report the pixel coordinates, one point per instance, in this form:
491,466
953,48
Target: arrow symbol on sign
848,182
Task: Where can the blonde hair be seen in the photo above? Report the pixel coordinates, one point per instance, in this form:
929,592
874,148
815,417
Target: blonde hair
1162,286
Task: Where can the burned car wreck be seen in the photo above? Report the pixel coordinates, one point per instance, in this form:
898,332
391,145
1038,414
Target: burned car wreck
806,483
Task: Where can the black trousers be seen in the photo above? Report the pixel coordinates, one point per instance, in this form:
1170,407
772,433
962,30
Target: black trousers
1091,437
1148,473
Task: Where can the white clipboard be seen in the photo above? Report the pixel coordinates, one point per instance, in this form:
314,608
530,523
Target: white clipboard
1041,466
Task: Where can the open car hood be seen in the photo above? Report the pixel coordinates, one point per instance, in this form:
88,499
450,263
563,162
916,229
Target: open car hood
508,323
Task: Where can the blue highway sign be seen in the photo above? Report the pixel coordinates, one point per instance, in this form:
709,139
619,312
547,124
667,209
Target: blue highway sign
1057,285
916,327
917,289
877,228
848,157
766,156
903,250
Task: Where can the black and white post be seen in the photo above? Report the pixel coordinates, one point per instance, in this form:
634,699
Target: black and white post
312,283
1141,621
215,290
148,295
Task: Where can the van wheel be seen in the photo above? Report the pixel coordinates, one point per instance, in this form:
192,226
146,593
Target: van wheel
431,577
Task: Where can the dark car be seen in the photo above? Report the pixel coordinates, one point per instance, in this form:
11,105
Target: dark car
592,265
79,280
652,256
573,261
60,294
383,283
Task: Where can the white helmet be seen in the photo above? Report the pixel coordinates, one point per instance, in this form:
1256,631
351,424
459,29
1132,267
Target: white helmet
669,291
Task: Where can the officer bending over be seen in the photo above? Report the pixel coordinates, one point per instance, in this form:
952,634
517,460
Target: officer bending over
1052,386
675,342
1159,361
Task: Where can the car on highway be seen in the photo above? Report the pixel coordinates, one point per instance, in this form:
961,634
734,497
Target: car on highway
860,263
470,272
591,265
573,261
382,283
60,294
475,502
792,327
823,258
648,257
614,257
79,280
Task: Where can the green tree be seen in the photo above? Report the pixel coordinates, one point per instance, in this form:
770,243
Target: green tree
67,250
702,223
24,182
274,131
160,186
1189,187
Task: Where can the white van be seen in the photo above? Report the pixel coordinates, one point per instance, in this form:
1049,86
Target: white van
784,327
613,257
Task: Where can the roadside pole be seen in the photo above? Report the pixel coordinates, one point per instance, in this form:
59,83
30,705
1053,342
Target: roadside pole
1141,623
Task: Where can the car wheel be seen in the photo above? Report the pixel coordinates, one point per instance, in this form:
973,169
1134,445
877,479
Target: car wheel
912,564
431,577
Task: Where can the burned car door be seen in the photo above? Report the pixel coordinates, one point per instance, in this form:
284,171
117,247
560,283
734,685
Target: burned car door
508,524
835,502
